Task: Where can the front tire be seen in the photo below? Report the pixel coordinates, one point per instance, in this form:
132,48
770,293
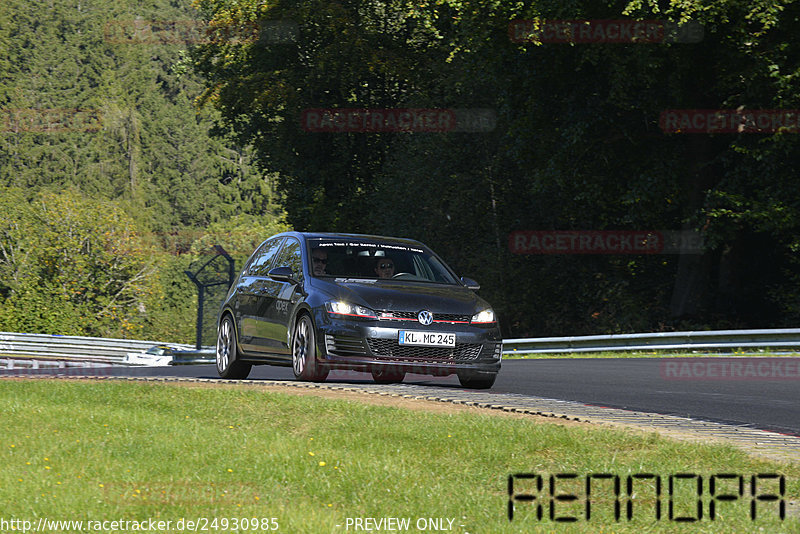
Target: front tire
228,365
304,352
476,380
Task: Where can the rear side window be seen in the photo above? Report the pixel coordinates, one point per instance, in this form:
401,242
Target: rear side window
262,260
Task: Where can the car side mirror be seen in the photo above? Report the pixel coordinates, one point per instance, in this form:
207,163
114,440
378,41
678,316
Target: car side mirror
470,283
283,274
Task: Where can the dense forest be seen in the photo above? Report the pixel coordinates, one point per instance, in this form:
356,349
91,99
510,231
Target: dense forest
135,134
112,183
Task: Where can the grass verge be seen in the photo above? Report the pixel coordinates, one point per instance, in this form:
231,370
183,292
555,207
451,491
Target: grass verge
108,450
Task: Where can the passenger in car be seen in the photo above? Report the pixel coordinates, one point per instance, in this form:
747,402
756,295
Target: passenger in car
384,267
319,261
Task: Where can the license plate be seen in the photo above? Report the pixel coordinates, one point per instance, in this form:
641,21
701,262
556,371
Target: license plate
426,339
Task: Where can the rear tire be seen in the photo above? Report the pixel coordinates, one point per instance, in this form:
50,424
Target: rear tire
476,379
304,352
387,375
228,365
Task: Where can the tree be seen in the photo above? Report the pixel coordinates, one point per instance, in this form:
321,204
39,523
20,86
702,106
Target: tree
577,147
345,55
86,271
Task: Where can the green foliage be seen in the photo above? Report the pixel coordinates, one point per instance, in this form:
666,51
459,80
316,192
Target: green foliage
148,144
85,269
577,147
134,157
171,307
348,54
239,236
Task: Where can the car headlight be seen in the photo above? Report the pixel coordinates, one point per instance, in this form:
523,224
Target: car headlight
339,307
485,316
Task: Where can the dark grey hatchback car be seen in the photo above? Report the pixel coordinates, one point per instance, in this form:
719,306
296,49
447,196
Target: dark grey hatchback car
381,305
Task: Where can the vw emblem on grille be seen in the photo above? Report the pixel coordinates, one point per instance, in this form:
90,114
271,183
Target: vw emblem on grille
425,317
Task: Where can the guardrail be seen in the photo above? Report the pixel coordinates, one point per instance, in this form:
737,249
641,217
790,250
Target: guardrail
47,351
17,364
715,339
42,350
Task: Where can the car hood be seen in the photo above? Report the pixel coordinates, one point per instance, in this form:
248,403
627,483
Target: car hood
397,295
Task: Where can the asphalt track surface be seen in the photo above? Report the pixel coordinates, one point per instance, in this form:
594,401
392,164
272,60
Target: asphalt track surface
637,384
641,385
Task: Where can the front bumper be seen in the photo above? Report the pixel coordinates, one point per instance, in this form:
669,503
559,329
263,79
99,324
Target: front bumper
367,345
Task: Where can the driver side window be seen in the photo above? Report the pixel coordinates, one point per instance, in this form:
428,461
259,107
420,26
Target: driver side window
291,257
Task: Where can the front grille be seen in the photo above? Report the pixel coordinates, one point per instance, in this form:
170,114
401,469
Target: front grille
345,345
450,318
391,349
412,316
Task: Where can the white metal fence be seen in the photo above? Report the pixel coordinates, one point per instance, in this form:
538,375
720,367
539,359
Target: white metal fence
37,351
725,340
47,351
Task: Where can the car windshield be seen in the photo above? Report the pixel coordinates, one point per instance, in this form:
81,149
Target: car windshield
364,259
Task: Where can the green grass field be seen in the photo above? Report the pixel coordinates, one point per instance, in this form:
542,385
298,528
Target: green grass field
115,450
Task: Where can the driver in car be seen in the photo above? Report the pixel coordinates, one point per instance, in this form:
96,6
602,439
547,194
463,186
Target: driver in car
384,267
319,261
